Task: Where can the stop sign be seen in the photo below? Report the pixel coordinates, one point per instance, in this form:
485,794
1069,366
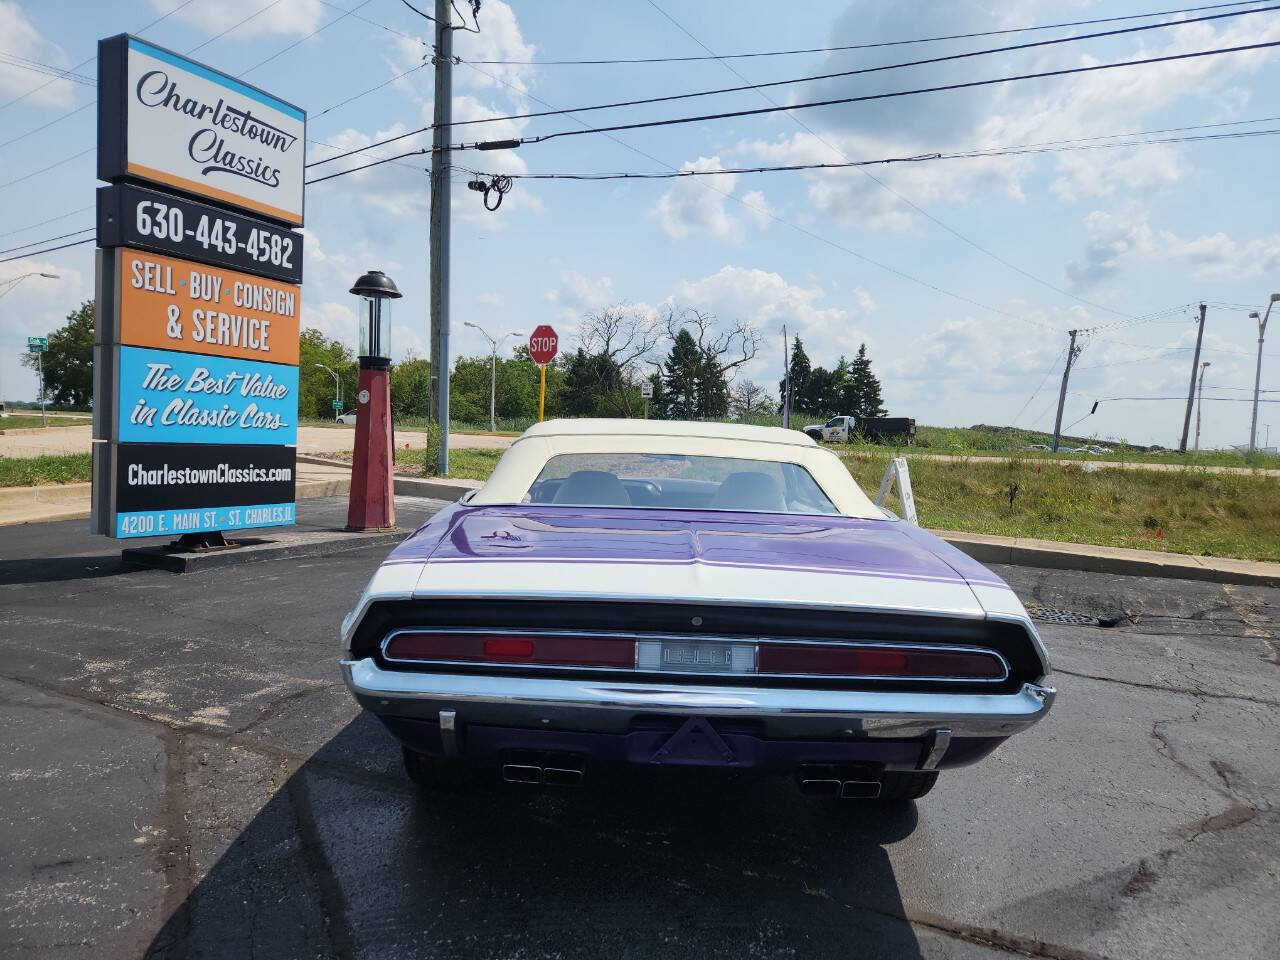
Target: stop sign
543,344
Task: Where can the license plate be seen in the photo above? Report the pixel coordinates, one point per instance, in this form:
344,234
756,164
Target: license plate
695,656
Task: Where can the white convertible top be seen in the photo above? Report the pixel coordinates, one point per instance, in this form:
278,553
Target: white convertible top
524,460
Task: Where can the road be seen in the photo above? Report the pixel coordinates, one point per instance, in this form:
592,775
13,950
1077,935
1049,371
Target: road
313,440
322,440
183,775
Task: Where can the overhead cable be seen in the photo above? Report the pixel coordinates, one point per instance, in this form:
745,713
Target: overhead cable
864,70
864,98
856,46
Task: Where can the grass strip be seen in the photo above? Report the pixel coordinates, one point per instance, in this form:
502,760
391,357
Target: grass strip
37,471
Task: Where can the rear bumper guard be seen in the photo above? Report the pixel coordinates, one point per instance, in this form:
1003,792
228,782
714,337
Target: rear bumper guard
611,707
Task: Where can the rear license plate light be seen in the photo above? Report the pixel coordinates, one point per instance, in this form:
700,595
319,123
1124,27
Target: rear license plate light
695,656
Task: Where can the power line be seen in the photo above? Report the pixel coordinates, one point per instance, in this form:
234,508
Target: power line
36,243
89,60
240,23
41,223
1184,399
56,163
1048,372
858,72
880,183
35,66
319,29
366,166
766,212
856,46
418,12
36,253
839,101
91,103
377,143
917,158
385,83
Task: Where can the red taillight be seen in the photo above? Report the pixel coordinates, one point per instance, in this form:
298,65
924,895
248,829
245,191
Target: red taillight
904,662
550,649
508,648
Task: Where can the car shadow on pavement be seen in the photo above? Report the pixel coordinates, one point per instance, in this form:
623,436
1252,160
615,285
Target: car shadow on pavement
349,860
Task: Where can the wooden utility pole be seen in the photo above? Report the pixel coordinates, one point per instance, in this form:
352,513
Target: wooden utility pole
441,133
1191,390
1200,402
786,381
1072,352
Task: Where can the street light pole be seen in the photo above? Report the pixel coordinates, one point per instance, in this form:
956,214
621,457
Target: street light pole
9,287
337,389
493,366
1200,403
1257,377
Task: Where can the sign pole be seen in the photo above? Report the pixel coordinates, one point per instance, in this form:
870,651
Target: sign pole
44,421
543,345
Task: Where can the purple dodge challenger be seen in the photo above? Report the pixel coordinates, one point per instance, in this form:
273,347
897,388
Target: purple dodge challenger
689,594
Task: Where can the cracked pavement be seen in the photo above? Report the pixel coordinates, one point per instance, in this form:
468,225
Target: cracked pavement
183,775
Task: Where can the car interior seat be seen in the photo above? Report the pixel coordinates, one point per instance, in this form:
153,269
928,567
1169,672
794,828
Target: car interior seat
749,490
594,488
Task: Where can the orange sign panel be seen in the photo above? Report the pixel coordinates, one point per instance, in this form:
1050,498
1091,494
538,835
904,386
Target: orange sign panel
172,304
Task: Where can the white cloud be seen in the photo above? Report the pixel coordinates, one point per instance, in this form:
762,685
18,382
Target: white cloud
500,38
22,39
291,18
765,300
1116,239
758,208
1106,102
490,299
576,293
689,205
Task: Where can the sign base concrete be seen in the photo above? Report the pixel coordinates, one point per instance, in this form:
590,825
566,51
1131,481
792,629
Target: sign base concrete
279,546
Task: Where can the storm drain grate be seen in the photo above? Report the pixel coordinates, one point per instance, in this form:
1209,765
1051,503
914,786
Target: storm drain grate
1053,615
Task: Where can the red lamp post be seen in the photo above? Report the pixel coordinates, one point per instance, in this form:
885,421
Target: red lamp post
372,503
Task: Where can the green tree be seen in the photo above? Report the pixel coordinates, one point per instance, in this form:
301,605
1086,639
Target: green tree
593,386
682,373
864,387
799,371
68,361
411,387
315,385
821,394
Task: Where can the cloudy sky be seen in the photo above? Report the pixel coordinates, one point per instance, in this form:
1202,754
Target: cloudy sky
961,275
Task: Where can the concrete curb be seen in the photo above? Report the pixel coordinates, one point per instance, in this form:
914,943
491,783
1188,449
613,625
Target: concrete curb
436,489
32,431
1121,561
52,493
432,487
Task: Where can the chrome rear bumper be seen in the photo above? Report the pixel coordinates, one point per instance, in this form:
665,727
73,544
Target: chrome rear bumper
611,706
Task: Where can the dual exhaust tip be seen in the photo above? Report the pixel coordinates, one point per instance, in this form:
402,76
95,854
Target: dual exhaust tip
842,781
843,789
569,774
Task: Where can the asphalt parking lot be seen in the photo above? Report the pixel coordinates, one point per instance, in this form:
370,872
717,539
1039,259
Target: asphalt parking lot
182,774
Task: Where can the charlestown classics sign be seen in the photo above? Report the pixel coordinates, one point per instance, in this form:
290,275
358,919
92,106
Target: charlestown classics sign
175,122
198,303
167,488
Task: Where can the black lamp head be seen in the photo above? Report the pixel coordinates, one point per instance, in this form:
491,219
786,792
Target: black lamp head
375,283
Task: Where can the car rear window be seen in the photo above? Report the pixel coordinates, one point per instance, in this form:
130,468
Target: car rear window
678,481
